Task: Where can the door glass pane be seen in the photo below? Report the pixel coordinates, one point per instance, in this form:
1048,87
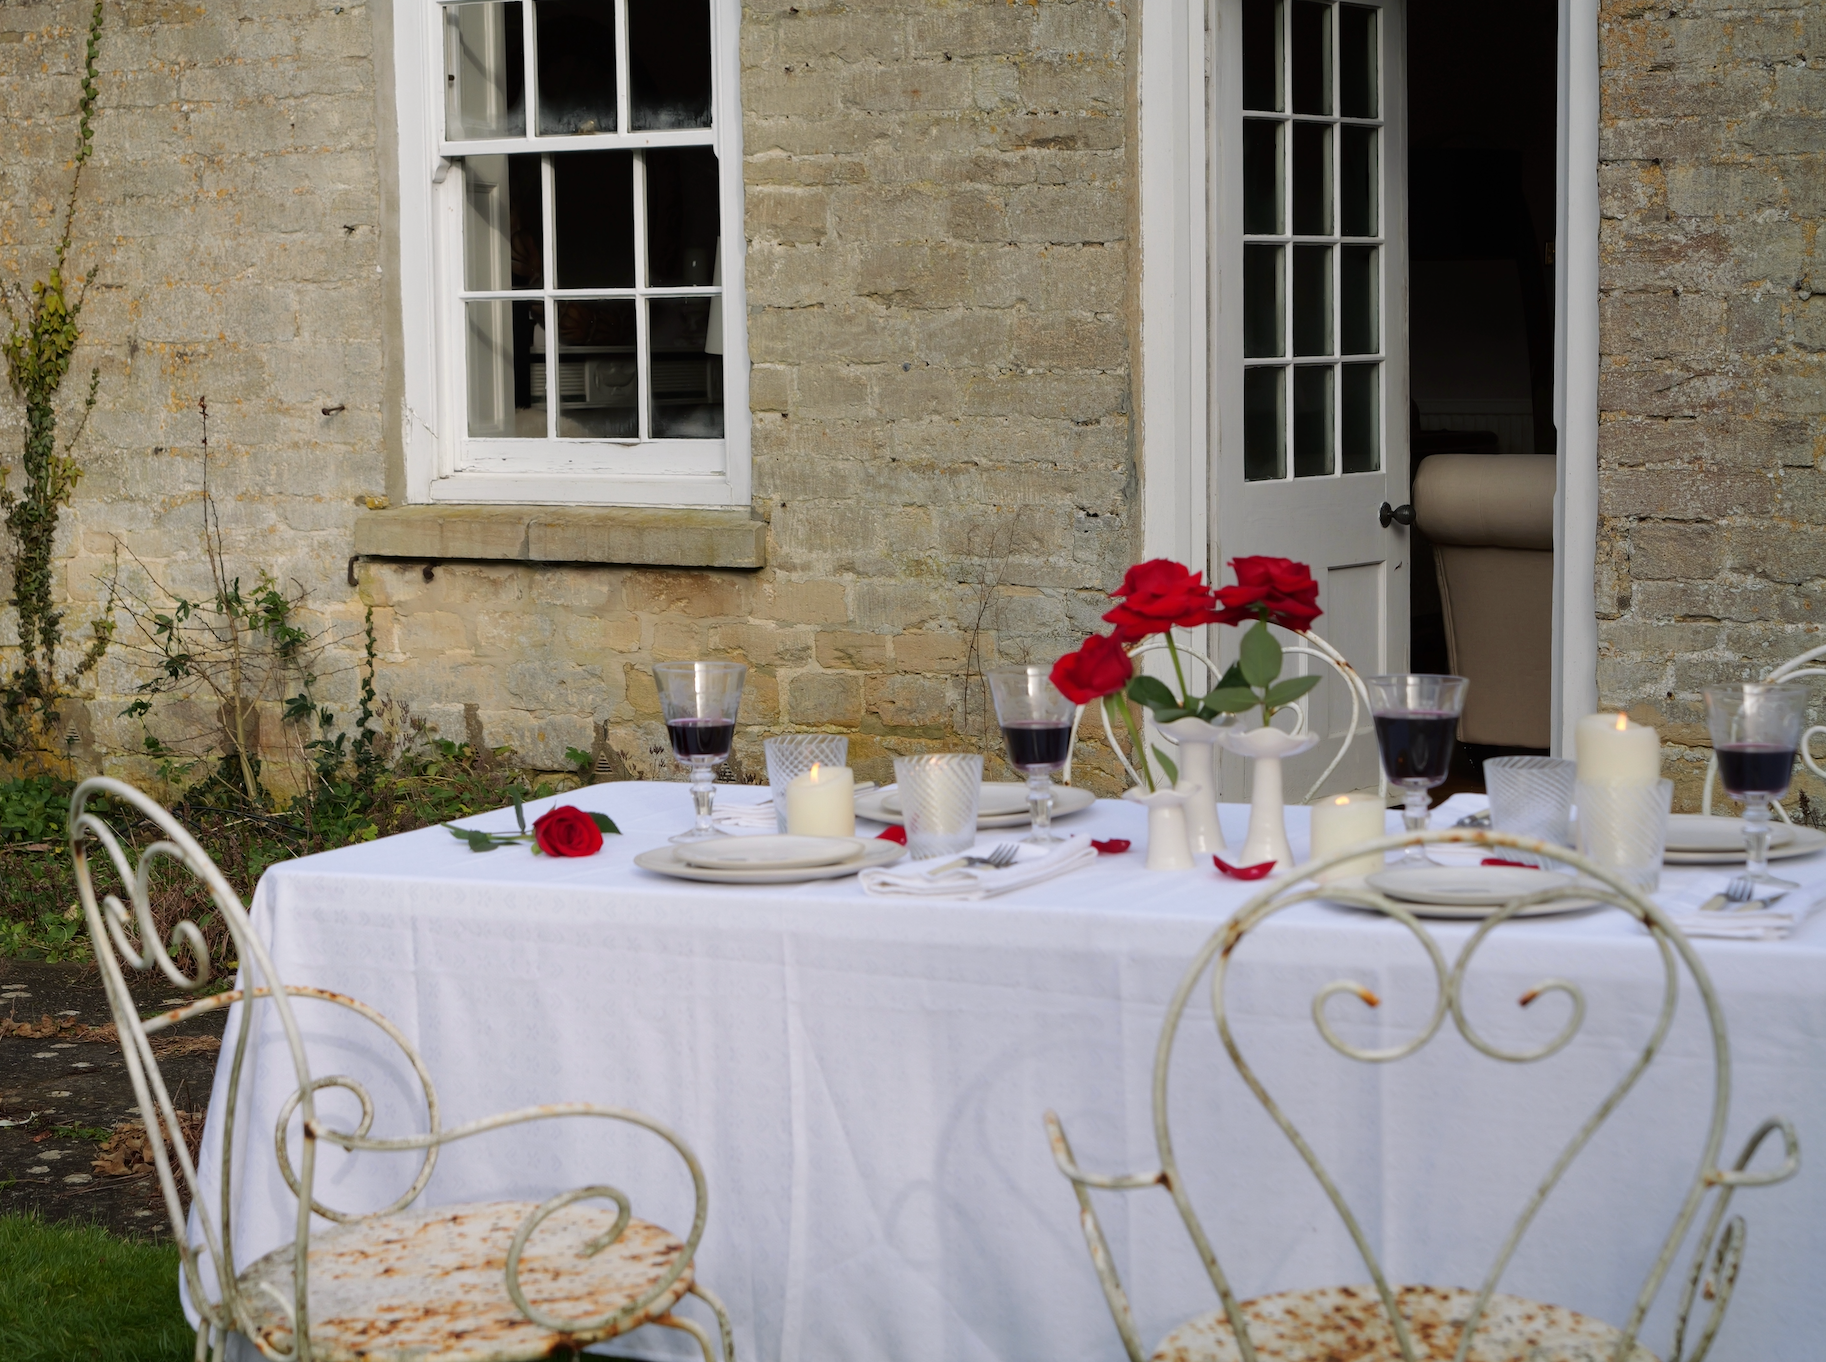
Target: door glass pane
1262,55
1311,57
682,226
1362,418
1312,451
1264,445
1357,180
1312,300
484,71
1357,93
576,66
1357,290
1264,318
1262,177
503,240
506,369
669,63
598,369
593,212
1311,179
685,336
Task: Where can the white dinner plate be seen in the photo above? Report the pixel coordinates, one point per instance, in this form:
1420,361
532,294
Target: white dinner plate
870,851
771,851
1710,835
1472,891
1804,842
1002,804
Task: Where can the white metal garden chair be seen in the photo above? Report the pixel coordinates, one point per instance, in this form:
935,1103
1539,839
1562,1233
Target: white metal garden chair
1794,669
1384,1322
461,1283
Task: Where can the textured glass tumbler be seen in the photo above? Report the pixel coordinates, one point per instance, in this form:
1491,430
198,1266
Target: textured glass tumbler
938,798
1624,828
791,755
1531,797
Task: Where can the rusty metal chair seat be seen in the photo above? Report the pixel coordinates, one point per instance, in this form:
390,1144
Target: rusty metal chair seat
1347,1324
427,1285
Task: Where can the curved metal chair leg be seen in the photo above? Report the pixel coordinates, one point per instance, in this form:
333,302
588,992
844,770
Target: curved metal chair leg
709,1297
692,1327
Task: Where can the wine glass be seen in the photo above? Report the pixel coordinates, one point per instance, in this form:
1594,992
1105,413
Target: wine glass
699,701
1756,730
1037,726
1416,717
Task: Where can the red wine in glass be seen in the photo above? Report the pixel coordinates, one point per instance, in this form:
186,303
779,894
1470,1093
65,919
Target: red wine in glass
1416,745
701,738
1755,768
1034,744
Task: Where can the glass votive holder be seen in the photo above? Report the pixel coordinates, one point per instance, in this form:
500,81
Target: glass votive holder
1531,797
791,755
1624,828
938,798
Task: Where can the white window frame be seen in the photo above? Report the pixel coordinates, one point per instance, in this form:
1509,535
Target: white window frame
443,464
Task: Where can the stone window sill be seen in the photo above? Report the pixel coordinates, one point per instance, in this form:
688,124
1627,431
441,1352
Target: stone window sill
629,536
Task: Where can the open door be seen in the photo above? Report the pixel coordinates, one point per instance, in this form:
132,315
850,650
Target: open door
1309,307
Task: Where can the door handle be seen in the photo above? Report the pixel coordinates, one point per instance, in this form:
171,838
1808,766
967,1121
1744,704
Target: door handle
1400,515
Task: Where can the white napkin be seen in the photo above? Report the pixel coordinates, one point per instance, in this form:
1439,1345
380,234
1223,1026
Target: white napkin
1775,923
743,817
1032,864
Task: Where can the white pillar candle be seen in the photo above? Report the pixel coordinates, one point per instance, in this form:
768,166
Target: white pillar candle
1614,751
1340,822
822,803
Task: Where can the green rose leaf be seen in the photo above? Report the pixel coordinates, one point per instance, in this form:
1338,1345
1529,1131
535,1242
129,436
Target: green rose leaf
1233,701
1286,692
604,823
1152,692
1167,765
1260,656
1231,679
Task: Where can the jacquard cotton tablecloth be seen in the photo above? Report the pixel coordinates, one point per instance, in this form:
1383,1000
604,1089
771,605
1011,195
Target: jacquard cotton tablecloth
864,1080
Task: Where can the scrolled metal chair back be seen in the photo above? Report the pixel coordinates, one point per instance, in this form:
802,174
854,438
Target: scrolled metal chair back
1720,1245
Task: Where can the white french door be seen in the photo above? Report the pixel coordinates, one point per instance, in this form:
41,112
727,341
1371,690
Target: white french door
1308,313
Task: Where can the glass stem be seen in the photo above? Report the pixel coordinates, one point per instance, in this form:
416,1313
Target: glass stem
1039,804
1414,819
1756,836
703,794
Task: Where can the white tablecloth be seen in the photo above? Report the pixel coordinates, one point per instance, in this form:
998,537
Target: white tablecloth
864,1079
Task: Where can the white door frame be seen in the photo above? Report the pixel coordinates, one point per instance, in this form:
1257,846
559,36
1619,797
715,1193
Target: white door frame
1176,185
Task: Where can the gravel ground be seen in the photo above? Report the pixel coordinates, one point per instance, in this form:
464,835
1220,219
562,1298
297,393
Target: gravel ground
80,1087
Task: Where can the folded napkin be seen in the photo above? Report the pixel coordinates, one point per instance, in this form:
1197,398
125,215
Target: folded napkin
1774,923
1032,864
749,817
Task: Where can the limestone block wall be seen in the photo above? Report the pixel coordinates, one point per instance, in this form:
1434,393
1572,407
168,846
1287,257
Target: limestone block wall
1713,331
940,278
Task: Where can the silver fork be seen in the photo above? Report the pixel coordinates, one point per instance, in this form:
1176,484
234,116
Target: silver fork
1741,890
998,859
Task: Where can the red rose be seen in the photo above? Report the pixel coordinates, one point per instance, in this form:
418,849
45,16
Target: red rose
567,831
1098,668
1159,594
1279,589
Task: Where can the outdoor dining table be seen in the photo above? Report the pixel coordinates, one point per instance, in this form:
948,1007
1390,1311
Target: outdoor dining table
864,1080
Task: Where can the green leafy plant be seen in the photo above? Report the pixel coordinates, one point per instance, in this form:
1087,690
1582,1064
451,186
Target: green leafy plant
33,809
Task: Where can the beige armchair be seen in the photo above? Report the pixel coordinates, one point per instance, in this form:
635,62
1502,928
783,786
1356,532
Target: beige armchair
1490,520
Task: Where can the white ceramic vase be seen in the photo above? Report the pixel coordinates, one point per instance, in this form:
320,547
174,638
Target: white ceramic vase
1167,844
1197,742
1266,747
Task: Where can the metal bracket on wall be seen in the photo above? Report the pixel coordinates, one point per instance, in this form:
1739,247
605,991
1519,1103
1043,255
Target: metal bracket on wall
354,558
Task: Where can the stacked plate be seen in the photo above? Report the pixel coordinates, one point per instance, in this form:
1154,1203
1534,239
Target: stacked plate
1473,891
1698,839
1001,804
769,859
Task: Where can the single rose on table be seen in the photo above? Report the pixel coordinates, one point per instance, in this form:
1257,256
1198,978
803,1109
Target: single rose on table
563,831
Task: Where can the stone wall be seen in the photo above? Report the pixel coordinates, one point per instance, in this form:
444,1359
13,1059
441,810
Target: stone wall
940,280
1712,557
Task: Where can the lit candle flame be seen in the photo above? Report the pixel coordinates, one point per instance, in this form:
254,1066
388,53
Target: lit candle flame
814,774
1622,722
1341,800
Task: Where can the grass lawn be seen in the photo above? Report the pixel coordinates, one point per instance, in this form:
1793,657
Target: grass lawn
75,1293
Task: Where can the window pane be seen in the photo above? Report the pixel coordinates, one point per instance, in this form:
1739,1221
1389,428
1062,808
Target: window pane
1264,447
1263,303
506,364
1357,96
682,231
1357,181
1311,57
685,336
1311,179
1357,298
1312,422
576,65
484,71
1261,177
503,239
593,205
1362,418
1312,300
669,63
1262,55
598,369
